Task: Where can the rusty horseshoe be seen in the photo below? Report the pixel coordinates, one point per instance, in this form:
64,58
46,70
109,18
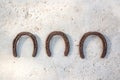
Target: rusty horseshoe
19,36
104,42
66,40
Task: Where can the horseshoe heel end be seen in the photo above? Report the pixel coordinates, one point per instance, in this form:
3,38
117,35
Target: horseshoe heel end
104,51
34,55
65,54
103,56
48,54
82,56
14,55
14,52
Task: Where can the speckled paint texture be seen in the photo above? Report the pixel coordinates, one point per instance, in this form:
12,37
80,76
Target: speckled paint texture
73,17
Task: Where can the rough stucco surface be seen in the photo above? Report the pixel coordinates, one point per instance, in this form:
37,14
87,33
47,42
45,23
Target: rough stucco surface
74,17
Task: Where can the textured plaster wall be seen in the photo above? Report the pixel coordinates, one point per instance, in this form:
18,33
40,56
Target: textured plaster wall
74,17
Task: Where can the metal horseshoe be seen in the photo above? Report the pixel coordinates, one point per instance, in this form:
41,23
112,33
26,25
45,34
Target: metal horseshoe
19,36
104,42
63,35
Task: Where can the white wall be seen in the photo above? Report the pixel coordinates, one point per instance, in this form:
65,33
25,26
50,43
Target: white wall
74,17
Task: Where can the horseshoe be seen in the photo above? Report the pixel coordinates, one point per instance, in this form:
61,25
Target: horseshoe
19,36
104,42
66,40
